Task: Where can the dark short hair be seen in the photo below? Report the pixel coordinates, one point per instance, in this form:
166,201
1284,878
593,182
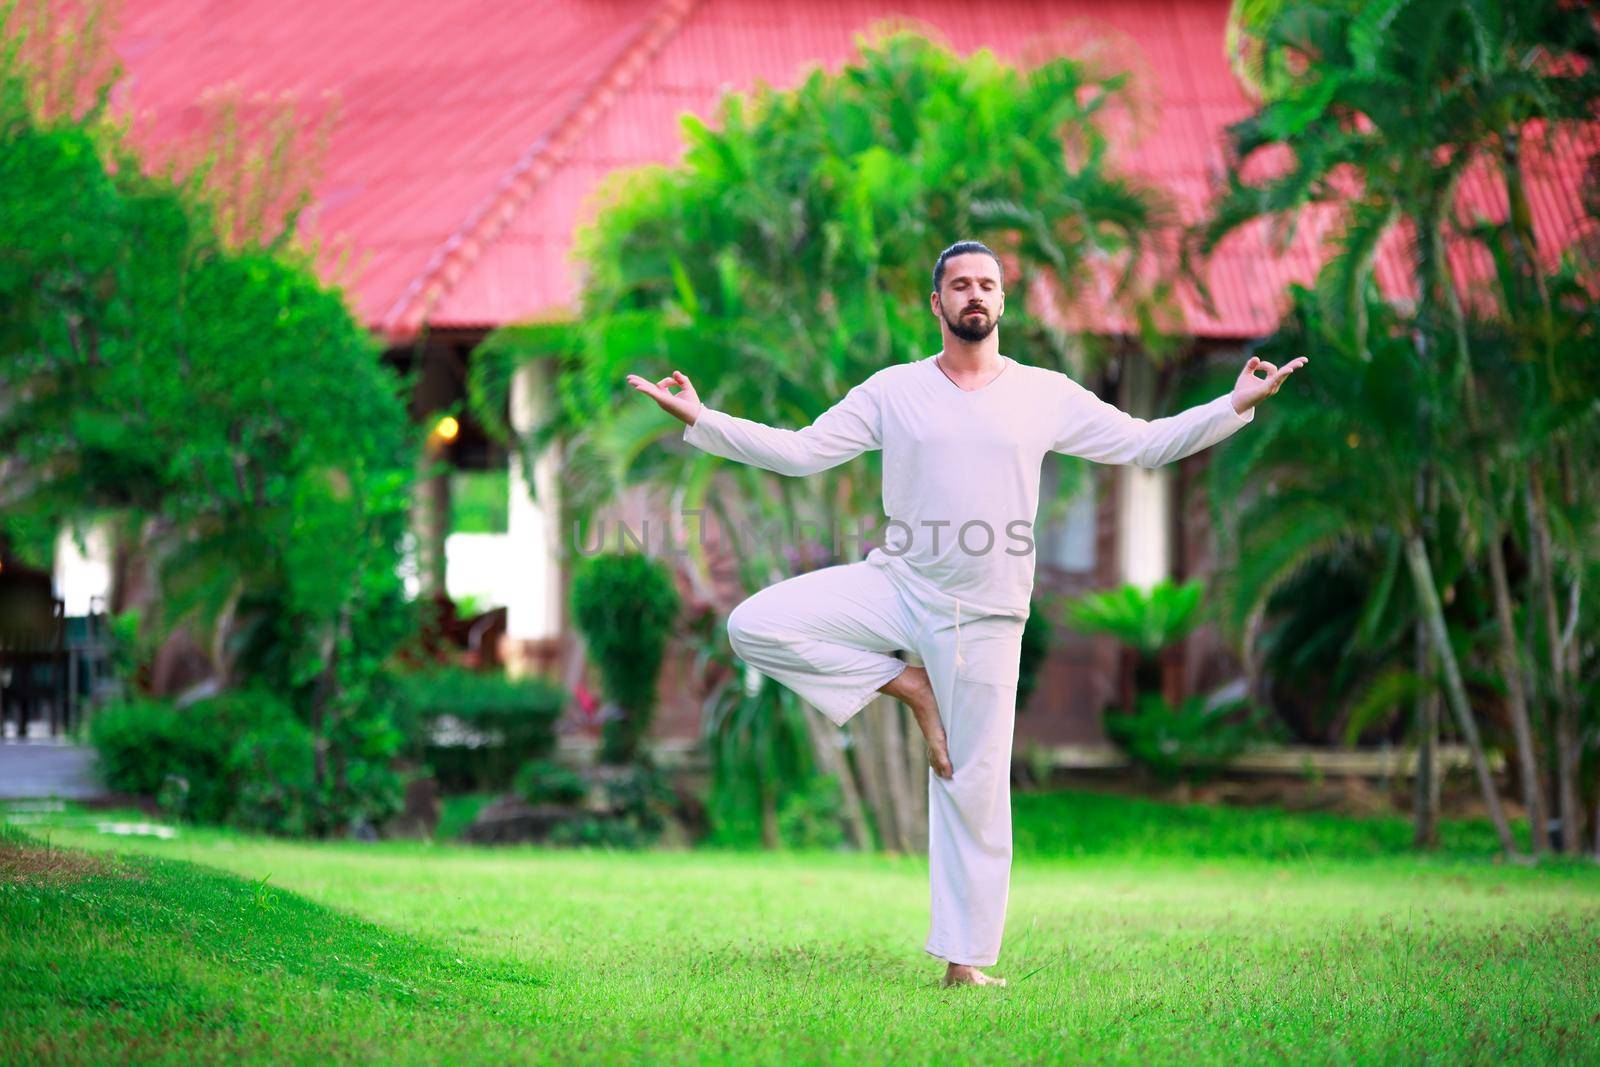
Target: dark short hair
961,248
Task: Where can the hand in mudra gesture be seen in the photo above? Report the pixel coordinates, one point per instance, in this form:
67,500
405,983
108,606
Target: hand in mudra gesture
684,404
1248,390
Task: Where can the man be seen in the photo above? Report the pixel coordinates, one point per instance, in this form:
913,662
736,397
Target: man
963,435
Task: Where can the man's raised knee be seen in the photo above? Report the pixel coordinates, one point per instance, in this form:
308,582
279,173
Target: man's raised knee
742,627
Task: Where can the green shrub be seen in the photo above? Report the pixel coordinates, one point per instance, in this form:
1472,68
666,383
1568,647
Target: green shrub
640,800
760,752
1036,638
276,769
515,717
279,528
221,721
365,787
625,604
245,758
180,756
810,817
139,742
549,782
598,831
643,797
274,766
1190,742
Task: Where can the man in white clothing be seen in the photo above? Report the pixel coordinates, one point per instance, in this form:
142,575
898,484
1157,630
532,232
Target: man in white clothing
963,435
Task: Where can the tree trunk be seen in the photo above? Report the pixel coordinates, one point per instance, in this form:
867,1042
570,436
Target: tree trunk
770,837
1511,670
868,750
825,738
894,776
1425,825
1542,722
1574,671
886,750
1425,811
917,778
1597,832
1455,691
1567,741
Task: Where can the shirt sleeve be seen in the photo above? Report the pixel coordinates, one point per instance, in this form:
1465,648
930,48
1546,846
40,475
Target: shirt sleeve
1095,430
844,431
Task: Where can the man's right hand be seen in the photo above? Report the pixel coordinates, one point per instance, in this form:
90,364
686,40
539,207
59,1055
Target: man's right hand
685,404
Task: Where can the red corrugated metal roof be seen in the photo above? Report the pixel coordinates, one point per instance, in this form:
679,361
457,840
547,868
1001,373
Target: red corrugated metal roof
469,132
437,104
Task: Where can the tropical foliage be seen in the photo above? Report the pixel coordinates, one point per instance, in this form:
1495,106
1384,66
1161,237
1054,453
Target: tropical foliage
1440,446
1189,740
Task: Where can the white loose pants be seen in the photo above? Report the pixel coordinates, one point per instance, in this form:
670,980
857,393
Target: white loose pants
827,635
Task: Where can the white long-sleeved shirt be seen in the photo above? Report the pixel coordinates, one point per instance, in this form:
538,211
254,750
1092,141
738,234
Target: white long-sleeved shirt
961,467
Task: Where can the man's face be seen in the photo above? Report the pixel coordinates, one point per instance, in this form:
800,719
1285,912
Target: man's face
970,298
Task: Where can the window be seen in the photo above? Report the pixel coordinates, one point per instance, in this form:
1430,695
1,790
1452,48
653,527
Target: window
1066,533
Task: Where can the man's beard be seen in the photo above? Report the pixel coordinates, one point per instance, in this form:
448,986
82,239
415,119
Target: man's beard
977,331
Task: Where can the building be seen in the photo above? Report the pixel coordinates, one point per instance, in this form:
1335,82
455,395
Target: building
464,137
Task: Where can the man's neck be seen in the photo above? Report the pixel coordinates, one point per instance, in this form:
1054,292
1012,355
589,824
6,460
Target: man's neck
971,359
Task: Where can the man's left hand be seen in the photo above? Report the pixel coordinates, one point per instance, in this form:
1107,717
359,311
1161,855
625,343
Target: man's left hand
1248,390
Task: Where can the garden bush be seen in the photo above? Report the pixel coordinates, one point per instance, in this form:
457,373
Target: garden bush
1191,742
639,802
809,817
244,758
625,604
272,532
181,756
1037,634
139,742
276,769
549,782
475,729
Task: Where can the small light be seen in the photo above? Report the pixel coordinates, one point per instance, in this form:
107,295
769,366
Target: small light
447,429
1354,440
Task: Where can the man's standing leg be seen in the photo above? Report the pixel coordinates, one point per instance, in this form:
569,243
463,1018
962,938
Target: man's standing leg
969,815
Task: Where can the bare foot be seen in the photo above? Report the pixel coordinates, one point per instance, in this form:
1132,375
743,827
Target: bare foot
962,974
913,689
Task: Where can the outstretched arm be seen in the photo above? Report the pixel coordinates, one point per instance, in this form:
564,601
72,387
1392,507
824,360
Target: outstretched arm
844,431
1093,429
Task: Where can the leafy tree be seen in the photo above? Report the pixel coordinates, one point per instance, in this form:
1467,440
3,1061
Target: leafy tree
214,398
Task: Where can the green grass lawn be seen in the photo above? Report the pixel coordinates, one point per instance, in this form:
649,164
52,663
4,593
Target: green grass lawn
1137,932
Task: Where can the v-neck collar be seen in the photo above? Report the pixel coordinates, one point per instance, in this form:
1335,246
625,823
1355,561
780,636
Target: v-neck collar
939,370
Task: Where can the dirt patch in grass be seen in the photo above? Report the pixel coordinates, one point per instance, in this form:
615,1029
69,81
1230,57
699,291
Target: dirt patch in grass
38,863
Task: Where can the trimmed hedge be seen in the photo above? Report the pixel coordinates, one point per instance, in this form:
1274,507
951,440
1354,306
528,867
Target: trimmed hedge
477,728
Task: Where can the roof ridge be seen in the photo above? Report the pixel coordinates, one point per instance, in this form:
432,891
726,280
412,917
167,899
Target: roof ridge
461,249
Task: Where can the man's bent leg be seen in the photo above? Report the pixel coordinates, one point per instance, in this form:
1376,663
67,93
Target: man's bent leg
825,634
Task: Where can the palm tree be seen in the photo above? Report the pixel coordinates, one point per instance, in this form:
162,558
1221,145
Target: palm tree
1336,472
1384,107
